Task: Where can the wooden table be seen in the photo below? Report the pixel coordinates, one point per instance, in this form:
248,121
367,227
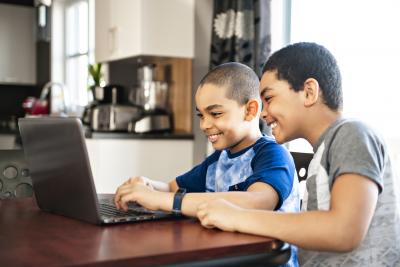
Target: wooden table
31,237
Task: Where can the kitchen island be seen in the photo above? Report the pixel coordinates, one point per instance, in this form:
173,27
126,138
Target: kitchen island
116,156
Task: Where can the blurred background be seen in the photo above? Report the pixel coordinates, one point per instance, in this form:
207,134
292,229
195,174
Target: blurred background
141,60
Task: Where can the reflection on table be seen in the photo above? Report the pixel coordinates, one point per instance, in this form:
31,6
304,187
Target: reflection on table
31,237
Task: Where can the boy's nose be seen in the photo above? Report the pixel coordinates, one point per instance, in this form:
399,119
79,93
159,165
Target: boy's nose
205,124
264,113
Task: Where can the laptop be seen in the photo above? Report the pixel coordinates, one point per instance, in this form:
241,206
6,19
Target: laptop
61,175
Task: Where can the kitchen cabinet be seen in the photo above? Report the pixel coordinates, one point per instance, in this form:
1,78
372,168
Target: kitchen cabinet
128,28
17,45
113,161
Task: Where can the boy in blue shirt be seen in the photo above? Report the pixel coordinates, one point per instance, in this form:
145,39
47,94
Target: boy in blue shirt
247,168
229,106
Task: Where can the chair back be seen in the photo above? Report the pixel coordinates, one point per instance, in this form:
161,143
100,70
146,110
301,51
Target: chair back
301,162
15,181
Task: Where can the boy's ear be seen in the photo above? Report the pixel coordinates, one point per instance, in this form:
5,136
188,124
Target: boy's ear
311,92
252,108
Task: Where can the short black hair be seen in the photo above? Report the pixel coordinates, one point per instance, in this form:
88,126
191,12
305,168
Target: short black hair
297,62
241,81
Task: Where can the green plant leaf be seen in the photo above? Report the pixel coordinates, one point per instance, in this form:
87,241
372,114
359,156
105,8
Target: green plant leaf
95,73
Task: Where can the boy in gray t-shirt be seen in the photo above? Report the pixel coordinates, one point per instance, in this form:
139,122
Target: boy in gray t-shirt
351,208
348,146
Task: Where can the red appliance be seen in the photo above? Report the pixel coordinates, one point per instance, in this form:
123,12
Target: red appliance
35,106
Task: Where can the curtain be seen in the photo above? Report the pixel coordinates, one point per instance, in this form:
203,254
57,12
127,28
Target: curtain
241,33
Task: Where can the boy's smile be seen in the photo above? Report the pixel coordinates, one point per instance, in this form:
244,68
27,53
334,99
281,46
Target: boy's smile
213,137
222,119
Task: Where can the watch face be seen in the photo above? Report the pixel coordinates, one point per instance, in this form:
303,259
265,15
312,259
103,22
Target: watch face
181,190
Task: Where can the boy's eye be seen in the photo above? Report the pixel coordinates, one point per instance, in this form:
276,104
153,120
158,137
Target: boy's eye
216,114
199,115
268,99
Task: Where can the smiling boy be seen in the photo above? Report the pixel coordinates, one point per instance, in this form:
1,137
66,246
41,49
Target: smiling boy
351,207
247,168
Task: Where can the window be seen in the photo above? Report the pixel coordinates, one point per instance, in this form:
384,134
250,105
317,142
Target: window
77,50
363,36
72,48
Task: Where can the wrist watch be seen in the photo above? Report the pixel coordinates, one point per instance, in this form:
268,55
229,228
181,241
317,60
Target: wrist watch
178,197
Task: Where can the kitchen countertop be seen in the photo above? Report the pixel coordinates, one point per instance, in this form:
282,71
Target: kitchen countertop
126,135
120,135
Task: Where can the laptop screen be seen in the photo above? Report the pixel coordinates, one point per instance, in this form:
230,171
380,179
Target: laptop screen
62,179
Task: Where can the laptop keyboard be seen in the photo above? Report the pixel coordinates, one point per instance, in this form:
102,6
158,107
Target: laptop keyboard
108,208
110,214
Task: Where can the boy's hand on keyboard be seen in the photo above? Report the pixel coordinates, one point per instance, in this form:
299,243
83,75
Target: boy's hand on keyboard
135,190
140,180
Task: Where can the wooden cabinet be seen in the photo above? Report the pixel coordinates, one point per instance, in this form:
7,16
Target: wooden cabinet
180,89
115,160
127,28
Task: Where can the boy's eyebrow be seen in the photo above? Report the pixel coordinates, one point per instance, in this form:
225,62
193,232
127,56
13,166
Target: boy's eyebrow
211,107
265,90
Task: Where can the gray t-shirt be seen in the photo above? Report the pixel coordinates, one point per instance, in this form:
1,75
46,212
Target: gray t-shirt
349,146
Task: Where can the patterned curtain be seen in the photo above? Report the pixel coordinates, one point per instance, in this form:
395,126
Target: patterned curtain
241,33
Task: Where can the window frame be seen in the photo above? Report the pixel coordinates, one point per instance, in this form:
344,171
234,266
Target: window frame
67,58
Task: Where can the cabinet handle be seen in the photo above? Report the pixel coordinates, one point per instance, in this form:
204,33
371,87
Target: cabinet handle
112,37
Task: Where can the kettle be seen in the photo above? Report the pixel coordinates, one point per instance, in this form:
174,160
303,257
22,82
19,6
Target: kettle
109,94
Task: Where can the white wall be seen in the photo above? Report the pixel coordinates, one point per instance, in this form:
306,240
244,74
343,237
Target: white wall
365,42
17,44
202,43
113,161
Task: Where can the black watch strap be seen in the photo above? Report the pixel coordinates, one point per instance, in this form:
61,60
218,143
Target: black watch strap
178,197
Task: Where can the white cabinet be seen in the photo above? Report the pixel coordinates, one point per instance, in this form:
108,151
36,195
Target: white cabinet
17,45
127,28
115,160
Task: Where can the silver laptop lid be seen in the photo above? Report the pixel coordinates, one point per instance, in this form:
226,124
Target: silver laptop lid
59,165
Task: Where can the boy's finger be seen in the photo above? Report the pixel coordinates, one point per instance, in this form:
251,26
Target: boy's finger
123,204
119,194
125,199
200,214
205,223
119,191
117,201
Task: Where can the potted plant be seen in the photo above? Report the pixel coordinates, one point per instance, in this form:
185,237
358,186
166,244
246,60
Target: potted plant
95,78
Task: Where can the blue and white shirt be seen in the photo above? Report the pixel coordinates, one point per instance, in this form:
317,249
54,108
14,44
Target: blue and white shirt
265,161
